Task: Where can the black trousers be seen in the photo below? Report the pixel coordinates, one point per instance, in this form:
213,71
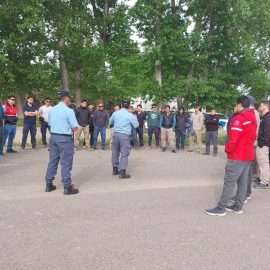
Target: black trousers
33,131
43,129
91,133
156,132
180,139
139,131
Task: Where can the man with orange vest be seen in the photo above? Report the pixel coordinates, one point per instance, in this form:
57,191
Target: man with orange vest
240,154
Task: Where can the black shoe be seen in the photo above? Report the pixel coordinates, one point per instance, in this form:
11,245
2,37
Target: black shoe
11,151
115,171
257,180
173,151
124,175
50,188
163,149
217,211
261,186
71,190
235,209
206,154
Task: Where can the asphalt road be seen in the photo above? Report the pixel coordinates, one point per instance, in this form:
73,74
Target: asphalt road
155,221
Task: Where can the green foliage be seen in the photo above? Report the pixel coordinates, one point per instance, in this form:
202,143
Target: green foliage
209,51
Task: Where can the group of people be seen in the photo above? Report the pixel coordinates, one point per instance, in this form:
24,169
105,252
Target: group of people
170,129
247,146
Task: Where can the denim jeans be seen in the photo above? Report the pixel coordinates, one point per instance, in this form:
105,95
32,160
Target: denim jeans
151,131
9,134
102,131
1,139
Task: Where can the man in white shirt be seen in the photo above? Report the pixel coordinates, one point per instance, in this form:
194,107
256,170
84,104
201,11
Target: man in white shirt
195,138
43,117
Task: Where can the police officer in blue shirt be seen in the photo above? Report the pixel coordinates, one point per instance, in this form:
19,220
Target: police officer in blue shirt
62,123
122,122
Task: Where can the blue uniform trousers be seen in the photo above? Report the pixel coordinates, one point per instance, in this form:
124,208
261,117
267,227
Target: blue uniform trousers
120,150
61,150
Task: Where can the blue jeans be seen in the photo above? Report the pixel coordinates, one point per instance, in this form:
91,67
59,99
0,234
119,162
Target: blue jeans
1,139
9,134
102,131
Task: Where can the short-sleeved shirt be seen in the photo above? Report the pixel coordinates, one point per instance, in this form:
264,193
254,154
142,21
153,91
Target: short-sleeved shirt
30,119
44,112
123,121
62,119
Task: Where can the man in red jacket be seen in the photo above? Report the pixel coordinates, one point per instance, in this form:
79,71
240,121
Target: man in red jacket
240,154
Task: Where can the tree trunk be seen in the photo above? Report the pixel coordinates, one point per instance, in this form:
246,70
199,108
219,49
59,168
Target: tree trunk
158,72
19,103
63,67
78,86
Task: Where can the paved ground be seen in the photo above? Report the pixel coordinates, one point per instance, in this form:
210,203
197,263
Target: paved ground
153,222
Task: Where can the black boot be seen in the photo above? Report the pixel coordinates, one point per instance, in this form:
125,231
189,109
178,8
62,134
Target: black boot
124,175
115,171
50,188
71,190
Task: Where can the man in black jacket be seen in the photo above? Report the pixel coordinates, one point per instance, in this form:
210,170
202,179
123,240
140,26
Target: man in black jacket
262,151
141,118
91,108
100,120
211,125
83,118
182,120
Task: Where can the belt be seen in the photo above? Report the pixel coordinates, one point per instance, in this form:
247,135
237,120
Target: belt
58,134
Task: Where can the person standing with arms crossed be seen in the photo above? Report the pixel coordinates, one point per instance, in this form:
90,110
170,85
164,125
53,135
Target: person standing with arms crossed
122,121
30,112
63,124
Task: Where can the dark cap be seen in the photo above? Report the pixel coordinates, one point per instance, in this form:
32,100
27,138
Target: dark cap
252,100
125,103
63,93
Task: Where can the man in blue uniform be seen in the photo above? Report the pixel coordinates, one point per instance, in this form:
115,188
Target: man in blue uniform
123,122
62,123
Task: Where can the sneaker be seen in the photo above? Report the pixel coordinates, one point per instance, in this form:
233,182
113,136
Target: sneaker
261,186
71,190
235,209
247,199
217,211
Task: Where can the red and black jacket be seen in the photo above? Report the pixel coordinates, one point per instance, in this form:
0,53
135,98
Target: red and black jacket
10,114
241,136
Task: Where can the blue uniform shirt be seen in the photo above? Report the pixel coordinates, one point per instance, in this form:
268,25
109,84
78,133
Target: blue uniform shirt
123,121
62,119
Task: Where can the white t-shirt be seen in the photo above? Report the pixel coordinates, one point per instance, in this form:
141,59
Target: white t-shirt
44,112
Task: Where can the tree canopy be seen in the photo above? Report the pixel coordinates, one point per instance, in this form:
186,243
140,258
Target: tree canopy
197,51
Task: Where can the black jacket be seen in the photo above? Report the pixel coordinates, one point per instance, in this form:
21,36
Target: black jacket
211,122
141,118
100,119
182,120
83,116
264,131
